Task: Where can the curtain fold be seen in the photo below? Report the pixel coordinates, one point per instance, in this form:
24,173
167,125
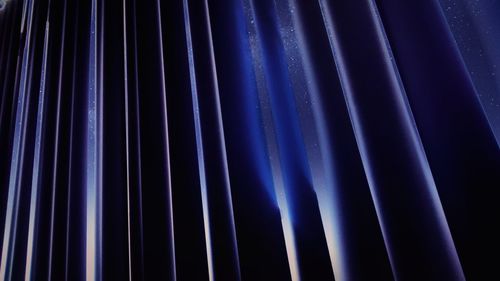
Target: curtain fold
243,140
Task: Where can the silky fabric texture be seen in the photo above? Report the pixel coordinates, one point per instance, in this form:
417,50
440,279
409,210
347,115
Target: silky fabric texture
246,140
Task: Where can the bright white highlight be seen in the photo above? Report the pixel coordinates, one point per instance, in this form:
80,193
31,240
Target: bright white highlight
36,164
9,238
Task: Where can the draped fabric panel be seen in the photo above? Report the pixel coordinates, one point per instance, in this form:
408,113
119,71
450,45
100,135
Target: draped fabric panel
245,140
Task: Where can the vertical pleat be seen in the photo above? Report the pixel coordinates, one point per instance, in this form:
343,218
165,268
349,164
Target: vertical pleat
242,140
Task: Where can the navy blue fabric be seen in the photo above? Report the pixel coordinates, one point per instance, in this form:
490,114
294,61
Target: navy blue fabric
248,140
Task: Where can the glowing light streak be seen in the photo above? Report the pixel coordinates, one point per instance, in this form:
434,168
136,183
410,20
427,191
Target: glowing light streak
272,146
32,229
92,182
167,150
199,142
314,130
9,238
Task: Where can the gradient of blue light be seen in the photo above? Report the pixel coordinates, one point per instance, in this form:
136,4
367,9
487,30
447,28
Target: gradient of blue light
314,131
91,246
410,129
33,218
9,238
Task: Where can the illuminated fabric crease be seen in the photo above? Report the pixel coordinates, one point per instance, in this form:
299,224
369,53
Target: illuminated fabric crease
244,140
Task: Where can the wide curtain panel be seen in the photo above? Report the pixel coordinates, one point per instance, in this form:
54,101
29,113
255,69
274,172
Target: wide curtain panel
249,140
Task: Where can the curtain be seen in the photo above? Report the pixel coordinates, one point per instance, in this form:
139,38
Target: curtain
249,140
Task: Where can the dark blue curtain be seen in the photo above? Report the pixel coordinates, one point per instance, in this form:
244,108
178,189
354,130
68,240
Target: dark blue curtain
249,140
